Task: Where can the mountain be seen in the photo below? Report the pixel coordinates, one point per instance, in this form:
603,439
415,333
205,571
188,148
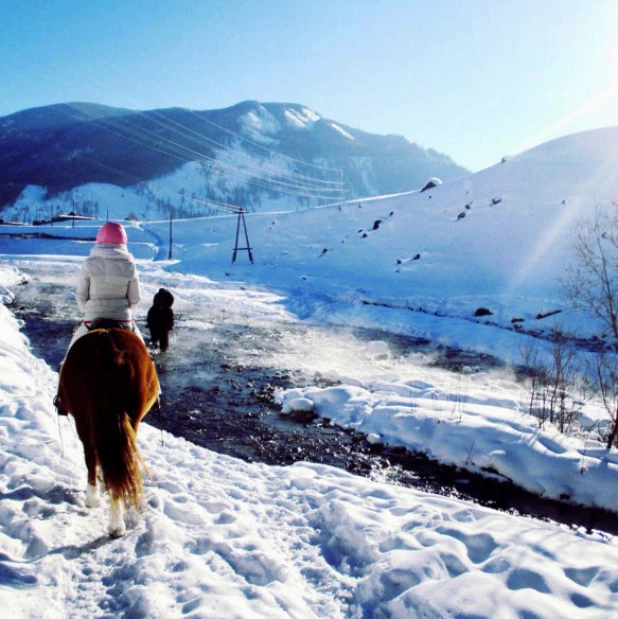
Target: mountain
497,240
488,249
259,156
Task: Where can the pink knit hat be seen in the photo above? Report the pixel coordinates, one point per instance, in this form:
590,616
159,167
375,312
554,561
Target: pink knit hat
113,233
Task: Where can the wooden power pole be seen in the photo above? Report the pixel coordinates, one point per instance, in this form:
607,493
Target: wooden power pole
241,219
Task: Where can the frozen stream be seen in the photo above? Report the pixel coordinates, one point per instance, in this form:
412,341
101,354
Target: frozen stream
232,348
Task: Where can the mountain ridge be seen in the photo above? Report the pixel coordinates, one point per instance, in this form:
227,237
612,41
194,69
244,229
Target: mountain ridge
269,146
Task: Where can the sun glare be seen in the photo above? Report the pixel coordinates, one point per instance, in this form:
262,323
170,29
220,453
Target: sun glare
551,130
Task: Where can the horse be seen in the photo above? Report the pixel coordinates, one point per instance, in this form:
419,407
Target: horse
160,319
108,383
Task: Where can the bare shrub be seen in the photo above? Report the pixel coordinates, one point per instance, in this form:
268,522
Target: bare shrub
591,284
591,281
603,370
555,391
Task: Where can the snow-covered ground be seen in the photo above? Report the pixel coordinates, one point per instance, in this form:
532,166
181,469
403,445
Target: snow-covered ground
221,538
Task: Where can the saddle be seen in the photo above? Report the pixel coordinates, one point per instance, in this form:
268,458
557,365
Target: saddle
109,323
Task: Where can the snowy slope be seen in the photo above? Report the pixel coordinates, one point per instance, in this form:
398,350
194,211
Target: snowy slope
498,239
256,155
222,538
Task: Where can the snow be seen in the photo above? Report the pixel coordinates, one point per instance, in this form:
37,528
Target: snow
260,122
341,130
223,538
301,118
472,426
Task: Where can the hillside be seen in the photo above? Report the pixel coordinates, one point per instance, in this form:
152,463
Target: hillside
254,155
498,240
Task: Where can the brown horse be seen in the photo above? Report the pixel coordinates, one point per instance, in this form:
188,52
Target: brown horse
108,382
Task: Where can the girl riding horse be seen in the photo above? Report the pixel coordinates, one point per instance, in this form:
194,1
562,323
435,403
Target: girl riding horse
107,286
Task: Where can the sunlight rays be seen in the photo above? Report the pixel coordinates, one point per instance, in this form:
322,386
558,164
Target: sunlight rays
593,104
560,232
554,236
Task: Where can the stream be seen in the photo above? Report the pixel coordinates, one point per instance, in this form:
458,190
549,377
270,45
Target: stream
218,381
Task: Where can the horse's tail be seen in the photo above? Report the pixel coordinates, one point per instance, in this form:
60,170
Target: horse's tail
113,435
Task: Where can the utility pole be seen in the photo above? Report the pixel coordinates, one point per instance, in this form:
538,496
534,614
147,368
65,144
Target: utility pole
241,219
170,251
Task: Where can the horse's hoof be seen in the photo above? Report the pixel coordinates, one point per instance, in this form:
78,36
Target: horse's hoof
117,531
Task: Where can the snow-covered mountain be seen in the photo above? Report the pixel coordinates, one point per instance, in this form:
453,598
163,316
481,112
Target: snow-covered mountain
497,240
256,155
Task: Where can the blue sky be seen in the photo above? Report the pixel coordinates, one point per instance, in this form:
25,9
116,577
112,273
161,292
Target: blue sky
475,79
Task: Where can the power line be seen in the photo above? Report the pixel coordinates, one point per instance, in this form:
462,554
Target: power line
207,140
182,153
282,180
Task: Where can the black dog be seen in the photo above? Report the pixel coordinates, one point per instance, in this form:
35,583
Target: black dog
160,319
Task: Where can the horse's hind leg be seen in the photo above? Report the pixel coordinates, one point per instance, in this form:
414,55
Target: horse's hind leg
93,498
116,526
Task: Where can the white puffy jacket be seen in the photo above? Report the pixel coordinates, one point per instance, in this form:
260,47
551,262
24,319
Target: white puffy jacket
108,284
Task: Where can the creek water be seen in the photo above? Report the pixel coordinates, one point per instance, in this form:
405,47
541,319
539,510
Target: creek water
218,393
